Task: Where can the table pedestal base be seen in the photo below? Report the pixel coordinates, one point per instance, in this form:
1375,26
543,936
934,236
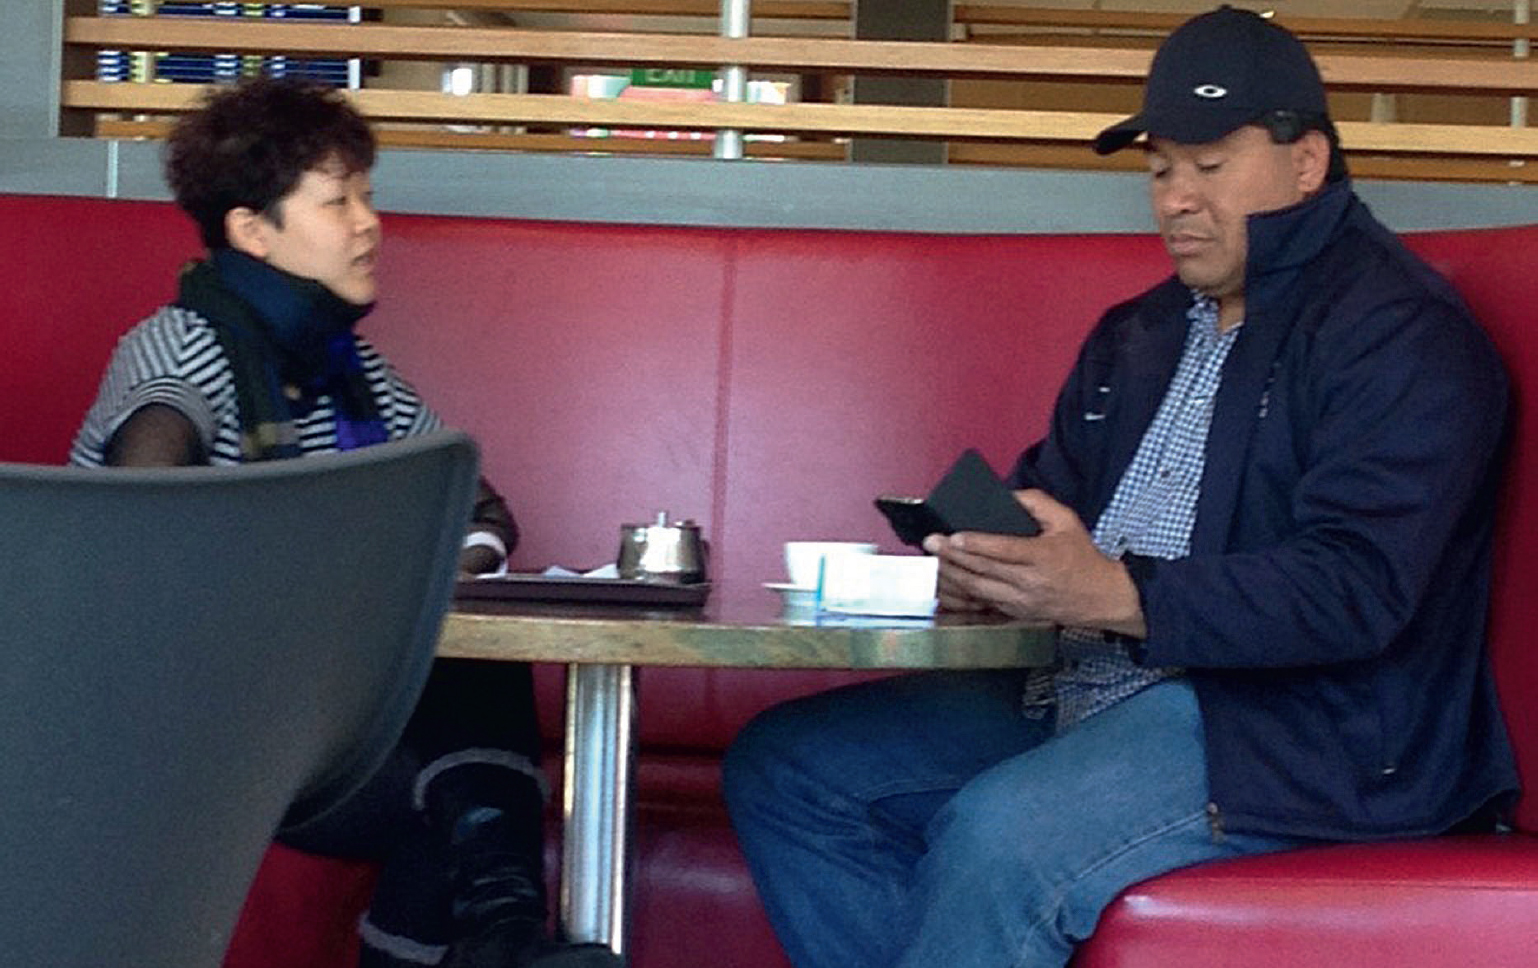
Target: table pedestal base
600,722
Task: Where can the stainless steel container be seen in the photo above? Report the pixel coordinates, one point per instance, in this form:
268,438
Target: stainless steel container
662,551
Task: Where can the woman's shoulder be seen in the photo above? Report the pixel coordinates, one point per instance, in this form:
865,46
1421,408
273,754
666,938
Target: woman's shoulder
171,325
173,346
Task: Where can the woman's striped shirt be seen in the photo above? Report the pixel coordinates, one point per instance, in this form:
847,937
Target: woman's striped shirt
174,358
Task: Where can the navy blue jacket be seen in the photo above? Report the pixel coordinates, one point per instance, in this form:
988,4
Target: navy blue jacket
1332,611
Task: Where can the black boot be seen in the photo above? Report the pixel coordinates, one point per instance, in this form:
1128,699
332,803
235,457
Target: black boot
488,950
494,820
499,891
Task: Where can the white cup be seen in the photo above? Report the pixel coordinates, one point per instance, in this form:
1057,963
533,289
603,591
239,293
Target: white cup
803,559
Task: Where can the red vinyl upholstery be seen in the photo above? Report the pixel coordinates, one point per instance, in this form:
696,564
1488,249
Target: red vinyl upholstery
1443,902
768,384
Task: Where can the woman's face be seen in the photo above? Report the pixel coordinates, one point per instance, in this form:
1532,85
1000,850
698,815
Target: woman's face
326,229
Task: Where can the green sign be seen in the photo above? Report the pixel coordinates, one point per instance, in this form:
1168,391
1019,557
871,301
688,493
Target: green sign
670,77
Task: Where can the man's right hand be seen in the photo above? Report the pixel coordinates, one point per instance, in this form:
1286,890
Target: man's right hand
1058,576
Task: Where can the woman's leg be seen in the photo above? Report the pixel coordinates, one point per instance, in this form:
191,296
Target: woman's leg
456,818
830,796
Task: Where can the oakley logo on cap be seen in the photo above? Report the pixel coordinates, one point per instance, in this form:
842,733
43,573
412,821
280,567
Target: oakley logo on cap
1211,91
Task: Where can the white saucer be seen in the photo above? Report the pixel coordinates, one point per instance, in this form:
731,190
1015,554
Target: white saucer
794,596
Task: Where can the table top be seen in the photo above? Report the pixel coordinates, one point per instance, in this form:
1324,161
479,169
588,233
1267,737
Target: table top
737,627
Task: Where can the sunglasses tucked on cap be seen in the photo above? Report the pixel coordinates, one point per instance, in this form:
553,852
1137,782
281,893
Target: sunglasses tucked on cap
1218,72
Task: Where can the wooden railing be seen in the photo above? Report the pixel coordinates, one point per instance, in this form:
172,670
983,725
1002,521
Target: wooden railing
768,9
1368,30
1069,48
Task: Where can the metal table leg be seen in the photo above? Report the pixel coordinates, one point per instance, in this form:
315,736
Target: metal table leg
600,719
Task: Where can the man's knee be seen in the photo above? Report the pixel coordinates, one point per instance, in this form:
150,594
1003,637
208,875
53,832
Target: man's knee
970,817
769,739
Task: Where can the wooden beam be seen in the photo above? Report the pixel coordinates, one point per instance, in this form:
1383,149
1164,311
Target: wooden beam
1068,157
953,124
1362,166
425,106
765,9
1439,139
1363,28
156,130
564,143
1343,71
1320,48
513,44
1158,24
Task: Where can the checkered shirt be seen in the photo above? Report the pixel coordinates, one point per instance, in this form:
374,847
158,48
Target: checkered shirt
1151,514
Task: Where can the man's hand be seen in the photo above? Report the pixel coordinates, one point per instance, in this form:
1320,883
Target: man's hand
1058,576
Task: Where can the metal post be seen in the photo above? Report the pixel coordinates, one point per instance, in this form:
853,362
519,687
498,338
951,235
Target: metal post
600,720
1385,108
1521,48
735,17
354,64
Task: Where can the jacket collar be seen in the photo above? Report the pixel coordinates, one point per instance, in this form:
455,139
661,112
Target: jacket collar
1281,245
1283,241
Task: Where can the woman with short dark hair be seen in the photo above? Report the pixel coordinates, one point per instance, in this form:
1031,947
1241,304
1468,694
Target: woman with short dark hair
257,360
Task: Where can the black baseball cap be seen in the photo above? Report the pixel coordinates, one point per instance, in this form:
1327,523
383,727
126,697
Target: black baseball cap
1217,72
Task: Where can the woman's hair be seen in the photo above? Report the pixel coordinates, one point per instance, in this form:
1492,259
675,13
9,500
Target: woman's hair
249,144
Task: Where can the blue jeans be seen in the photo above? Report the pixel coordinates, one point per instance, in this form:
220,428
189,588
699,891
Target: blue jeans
925,822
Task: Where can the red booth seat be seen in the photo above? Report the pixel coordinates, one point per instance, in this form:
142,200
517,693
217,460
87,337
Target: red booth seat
768,384
1447,901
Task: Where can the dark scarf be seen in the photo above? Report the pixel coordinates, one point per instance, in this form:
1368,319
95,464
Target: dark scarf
289,341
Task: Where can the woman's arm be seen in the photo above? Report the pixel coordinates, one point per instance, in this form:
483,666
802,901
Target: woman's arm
155,436
492,536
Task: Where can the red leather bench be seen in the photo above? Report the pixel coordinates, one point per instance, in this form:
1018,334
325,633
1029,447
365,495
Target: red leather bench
768,383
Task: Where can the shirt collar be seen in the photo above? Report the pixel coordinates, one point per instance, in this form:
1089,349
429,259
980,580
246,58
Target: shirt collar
1203,314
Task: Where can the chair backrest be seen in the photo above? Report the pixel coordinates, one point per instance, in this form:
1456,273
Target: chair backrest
190,655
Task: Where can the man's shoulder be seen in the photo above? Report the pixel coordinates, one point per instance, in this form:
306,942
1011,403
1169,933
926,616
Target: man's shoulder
1374,263
1374,297
1383,289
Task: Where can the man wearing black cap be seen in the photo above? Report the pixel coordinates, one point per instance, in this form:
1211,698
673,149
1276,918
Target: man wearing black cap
1266,501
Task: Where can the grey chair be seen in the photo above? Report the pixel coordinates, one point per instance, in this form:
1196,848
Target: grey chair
188,658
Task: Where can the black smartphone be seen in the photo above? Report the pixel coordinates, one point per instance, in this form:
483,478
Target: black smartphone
911,518
970,497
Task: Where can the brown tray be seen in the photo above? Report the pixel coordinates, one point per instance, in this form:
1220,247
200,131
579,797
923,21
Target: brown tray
614,591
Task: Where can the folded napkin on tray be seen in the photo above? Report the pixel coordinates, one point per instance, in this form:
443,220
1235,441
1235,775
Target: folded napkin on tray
611,570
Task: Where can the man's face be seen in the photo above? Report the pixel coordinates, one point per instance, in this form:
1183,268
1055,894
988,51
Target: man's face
1202,195
330,232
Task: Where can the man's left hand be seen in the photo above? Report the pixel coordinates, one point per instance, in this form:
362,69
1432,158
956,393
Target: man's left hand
1058,576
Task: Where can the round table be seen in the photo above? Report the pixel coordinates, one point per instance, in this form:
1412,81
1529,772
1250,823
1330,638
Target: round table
739,627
